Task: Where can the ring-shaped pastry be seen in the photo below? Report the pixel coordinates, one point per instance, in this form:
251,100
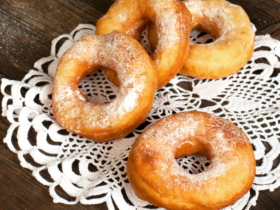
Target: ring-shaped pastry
116,119
172,20
157,178
234,44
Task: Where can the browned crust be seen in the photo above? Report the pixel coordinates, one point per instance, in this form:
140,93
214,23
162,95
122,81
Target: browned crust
152,190
71,70
217,60
134,26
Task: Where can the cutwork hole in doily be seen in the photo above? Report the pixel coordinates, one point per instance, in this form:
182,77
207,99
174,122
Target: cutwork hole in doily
201,37
193,164
92,83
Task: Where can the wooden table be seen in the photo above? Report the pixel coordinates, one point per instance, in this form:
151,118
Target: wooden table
27,28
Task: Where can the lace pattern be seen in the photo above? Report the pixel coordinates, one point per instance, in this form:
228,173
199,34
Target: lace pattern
93,173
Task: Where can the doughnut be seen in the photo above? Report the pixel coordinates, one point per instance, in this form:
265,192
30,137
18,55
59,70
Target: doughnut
156,177
116,119
234,39
172,20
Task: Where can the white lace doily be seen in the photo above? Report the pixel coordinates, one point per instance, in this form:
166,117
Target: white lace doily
92,173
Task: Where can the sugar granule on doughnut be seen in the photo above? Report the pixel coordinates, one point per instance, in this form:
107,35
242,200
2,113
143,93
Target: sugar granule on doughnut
156,177
172,20
102,122
234,44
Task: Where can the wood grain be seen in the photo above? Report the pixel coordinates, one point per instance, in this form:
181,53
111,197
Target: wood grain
263,13
27,28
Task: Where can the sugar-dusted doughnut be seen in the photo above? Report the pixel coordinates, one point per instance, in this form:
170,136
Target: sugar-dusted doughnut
102,122
234,44
158,179
172,20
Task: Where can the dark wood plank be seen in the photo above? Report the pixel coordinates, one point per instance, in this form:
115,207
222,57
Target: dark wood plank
27,28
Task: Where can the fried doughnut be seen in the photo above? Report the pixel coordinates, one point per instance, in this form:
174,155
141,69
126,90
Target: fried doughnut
172,20
157,178
234,44
103,122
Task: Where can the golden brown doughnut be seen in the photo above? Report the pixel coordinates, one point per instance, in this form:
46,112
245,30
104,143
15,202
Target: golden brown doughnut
172,20
234,44
103,122
157,178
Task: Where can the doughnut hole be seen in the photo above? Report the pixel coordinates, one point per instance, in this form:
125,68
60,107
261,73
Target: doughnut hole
188,153
196,148
199,35
97,81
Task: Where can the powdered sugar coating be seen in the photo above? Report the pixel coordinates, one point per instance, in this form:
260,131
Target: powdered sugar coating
170,27
114,51
223,15
173,25
234,39
220,141
153,154
167,23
